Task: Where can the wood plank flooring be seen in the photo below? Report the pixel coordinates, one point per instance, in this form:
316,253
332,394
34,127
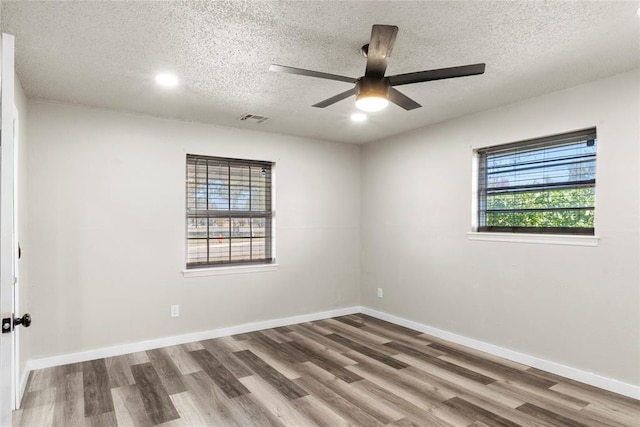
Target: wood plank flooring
352,370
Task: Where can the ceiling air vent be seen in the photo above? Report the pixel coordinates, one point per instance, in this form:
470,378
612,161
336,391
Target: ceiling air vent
253,118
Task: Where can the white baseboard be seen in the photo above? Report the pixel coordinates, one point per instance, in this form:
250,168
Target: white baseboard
118,350
590,378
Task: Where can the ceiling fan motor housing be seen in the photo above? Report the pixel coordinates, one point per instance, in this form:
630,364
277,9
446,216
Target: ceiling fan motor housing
372,87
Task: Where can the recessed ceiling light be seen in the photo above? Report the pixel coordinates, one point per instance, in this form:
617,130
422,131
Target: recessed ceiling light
358,117
167,80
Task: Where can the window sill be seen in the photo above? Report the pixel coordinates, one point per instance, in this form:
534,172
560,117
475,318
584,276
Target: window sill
545,239
218,271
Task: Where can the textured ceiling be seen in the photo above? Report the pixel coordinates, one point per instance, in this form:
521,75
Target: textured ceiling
106,53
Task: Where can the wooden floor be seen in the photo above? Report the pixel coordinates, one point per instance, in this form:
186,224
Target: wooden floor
351,370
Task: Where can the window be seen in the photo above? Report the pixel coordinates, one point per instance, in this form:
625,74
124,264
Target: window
229,212
544,185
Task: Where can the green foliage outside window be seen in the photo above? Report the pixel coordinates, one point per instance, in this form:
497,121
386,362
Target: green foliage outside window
535,209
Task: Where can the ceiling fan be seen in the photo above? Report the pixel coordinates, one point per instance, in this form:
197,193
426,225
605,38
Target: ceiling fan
373,91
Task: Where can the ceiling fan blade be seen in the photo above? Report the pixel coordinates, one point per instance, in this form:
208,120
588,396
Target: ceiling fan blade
310,73
382,39
402,100
334,99
439,74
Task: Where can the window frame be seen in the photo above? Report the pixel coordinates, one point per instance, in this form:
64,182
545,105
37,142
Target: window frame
480,169
195,269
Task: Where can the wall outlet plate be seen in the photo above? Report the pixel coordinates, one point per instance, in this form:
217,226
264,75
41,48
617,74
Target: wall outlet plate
175,311
380,293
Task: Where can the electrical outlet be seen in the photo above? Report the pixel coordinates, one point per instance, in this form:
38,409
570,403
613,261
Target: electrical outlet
379,292
175,311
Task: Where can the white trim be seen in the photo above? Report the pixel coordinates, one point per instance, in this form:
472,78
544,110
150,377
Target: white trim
274,212
23,385
545,239
590,378
257,268
475,165
48,362
8,362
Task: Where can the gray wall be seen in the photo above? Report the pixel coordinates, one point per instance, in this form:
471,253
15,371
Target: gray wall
577,306
107,229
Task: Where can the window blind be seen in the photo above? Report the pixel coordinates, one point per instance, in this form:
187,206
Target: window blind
229,211
544,185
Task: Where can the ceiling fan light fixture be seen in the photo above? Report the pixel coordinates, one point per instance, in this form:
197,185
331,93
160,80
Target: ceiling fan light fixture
371,103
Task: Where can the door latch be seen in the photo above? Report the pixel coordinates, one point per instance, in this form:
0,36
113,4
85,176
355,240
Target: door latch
6,325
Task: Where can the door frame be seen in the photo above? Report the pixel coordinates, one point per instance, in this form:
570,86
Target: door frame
7,354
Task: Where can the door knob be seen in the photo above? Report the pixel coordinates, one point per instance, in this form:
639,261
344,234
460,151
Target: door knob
24,320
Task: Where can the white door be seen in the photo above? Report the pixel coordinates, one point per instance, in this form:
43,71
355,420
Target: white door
16,268
7,384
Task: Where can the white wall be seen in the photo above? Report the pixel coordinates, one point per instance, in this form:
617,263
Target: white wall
107,228
577,306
